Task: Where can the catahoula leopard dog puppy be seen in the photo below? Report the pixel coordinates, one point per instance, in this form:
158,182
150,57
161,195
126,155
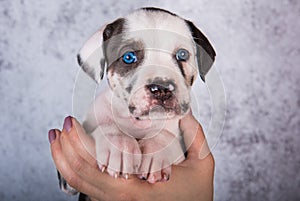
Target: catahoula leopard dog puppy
151,59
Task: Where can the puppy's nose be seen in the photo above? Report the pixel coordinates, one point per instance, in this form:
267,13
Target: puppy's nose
161,91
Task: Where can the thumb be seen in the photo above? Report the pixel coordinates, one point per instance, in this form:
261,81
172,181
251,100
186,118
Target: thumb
194,138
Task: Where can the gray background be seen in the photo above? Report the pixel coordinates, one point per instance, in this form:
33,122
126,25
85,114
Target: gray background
257,43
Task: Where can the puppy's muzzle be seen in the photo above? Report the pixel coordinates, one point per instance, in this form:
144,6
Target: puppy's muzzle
162,93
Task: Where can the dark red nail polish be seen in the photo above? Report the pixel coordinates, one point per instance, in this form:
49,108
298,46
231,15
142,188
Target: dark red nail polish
51,135
68,123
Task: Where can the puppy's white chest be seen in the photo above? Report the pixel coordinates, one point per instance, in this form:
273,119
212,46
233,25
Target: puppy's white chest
109,110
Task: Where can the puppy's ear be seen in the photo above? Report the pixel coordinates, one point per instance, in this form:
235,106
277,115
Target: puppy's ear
91,58
205,52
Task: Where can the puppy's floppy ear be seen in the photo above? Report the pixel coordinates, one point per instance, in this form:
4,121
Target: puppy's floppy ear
91,58
205,52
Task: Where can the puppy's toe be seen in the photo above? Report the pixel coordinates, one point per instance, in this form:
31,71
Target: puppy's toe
102,159
125,175
102,167
145,167
154,177
160,176
114,163
110,162
113,173
166,173
131,162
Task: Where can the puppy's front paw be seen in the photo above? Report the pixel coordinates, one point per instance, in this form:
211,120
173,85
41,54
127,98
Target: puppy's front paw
118,153
159,153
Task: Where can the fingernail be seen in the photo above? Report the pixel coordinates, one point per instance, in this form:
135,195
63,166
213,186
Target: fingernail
68,123
51,135
116,175
126,176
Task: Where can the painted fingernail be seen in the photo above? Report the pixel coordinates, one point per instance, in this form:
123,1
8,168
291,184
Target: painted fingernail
68,123
51,135
126,176
116,175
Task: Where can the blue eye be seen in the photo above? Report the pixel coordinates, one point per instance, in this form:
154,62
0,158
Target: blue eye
129,57
182,55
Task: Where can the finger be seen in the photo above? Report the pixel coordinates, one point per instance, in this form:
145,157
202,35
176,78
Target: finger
78,164
64,186
194,138
64,167
80,141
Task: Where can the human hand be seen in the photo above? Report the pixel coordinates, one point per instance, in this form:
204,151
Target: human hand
74,156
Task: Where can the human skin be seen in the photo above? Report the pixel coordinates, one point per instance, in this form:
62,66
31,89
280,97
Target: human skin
192,180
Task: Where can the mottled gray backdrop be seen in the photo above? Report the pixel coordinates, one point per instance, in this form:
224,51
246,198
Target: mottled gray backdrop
258,57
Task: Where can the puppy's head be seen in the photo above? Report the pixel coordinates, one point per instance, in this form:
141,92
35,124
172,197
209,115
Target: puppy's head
152,58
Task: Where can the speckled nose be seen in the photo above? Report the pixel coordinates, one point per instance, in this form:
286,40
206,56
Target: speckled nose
162,91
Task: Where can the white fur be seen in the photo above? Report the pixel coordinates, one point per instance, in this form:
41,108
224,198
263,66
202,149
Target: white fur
92,51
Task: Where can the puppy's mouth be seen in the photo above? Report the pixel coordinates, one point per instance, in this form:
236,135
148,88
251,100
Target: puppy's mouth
159,102
155,111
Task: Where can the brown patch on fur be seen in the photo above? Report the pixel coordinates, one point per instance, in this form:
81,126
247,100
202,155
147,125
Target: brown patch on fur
114,28
115,45
117,65
205,52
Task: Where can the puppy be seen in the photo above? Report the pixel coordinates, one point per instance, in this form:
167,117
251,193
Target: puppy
150,59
